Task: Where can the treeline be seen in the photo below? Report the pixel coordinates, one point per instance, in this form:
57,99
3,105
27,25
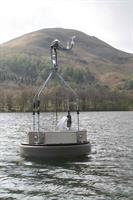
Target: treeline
33,70
28,72
57,98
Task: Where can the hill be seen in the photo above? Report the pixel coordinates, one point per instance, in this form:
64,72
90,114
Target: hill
25,61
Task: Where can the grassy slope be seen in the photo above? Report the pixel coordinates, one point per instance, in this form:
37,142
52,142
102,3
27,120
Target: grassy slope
109,65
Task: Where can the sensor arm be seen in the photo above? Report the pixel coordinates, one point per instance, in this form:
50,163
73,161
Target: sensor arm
56,45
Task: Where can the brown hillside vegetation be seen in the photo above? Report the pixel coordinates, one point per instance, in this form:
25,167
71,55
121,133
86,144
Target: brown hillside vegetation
96,69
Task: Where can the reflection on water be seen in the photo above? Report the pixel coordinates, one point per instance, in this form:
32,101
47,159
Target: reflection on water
106,174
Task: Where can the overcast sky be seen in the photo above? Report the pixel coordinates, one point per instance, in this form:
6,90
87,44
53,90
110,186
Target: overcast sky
109,20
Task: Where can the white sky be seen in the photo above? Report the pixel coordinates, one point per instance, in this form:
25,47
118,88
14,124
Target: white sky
109,20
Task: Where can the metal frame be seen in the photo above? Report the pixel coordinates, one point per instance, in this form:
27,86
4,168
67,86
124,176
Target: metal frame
55,45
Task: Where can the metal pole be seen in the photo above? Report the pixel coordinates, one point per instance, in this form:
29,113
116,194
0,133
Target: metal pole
38,112
78,118
66,84
56,109
38,122
33,122
34,116
44,85
77,100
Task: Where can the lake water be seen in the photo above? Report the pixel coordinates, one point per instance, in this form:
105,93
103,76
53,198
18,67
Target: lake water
106,174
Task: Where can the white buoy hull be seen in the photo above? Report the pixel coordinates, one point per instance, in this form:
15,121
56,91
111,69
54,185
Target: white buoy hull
55,151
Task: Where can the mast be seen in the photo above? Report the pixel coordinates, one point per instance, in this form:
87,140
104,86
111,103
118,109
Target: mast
54,48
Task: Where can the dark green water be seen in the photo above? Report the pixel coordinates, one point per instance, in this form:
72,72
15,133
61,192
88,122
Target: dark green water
106,174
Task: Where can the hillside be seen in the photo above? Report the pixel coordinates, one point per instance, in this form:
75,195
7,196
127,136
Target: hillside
107,64
25,61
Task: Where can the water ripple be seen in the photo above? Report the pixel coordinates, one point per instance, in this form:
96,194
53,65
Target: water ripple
106,174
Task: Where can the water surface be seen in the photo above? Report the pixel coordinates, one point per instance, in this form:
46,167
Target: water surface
106,174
